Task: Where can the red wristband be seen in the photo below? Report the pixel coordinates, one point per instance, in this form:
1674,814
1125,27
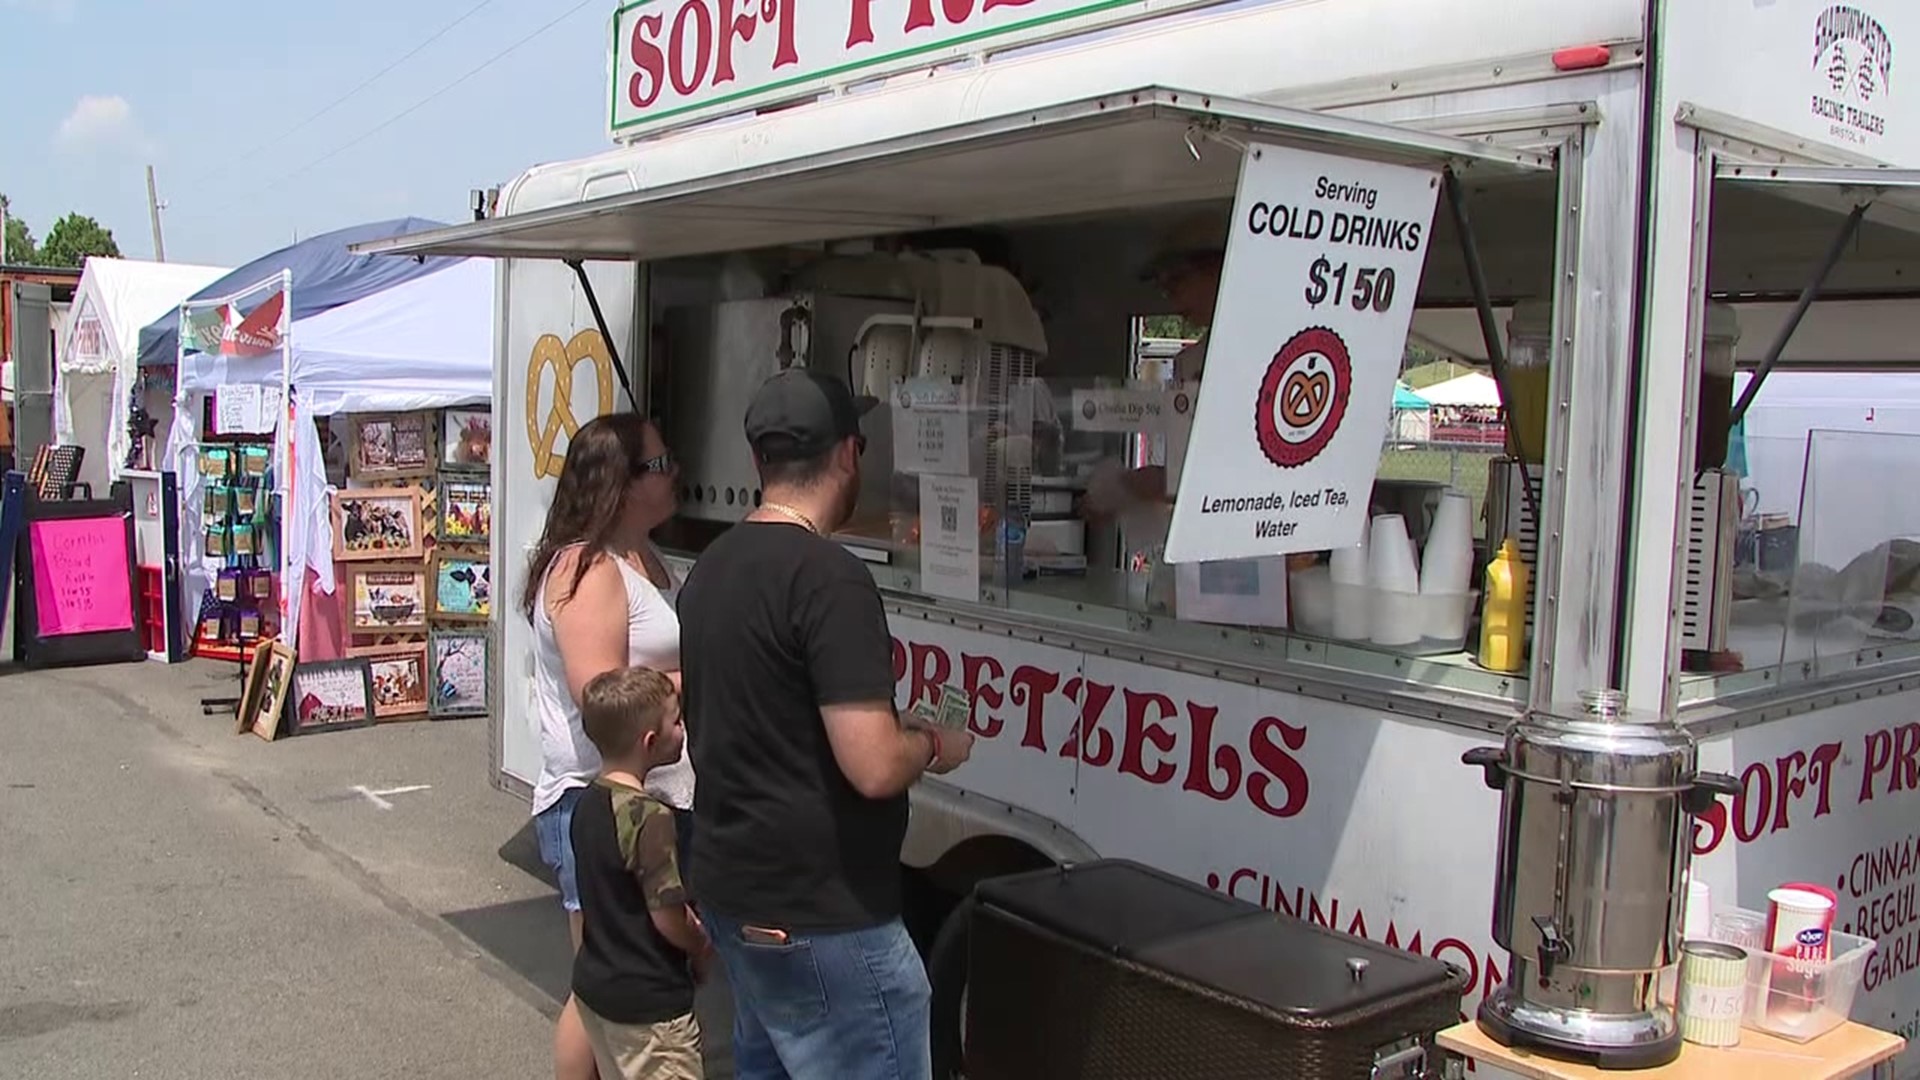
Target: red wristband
933,737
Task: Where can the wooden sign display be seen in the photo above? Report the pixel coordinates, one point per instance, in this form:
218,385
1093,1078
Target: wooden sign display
74,582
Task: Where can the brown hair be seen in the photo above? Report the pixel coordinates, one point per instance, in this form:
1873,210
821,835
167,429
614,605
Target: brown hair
619,706
603,460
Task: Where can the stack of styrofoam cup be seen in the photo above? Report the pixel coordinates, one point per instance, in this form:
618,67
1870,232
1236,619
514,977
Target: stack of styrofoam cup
1394,577
1349,567
1446,568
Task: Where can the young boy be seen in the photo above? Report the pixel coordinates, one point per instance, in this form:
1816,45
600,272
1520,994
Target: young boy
634,975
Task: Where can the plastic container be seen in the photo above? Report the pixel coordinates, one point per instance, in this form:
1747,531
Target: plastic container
1388,610
1503,624
1818,995
1311,591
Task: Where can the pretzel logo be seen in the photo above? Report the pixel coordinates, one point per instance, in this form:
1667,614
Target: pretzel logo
550,354
1303,397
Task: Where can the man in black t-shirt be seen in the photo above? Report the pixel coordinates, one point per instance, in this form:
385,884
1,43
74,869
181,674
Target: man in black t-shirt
804,764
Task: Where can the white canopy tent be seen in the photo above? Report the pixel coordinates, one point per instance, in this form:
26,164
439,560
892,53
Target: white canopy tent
426,343
423,344
99,345
1471,391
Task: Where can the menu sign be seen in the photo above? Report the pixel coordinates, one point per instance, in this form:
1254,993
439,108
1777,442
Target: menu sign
930,426
1322,267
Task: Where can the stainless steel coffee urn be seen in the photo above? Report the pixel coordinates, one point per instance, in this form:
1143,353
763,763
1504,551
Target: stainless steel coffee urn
1594,845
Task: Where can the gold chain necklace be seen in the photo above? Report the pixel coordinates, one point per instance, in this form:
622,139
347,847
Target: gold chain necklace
793,515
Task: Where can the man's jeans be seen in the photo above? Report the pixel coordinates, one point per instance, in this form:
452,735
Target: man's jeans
847,1006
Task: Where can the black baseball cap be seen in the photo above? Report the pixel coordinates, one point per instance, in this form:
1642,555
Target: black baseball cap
800,414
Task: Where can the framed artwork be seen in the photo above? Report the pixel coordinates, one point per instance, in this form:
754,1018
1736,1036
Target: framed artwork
466,439
466,510
399,677
331,695
391,444
377,523
265,696
386,599
462,587
459,662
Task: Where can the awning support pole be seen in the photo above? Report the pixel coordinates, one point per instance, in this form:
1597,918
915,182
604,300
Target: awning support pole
1848,229
1490,333
606,335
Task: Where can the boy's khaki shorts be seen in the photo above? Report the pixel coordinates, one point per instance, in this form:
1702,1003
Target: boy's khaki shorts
668,1050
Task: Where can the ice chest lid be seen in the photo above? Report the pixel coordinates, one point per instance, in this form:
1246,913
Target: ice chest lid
1271,961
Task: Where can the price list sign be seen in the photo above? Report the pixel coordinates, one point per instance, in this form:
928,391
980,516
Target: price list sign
1316,294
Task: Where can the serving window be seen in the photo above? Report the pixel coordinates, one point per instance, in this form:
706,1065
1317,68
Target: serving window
1035,389
1801,569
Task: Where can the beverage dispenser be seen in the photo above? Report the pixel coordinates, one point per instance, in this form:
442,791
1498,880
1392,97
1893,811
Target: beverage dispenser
1595,807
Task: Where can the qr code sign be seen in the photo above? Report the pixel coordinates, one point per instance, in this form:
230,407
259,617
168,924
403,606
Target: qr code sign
950,519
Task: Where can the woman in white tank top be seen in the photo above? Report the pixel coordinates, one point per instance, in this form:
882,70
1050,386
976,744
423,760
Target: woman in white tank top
600,598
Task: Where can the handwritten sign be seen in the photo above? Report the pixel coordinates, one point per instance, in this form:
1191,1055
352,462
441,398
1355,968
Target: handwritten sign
80,579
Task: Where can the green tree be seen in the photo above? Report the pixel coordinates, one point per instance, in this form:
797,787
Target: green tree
1170,326
75,237
20,249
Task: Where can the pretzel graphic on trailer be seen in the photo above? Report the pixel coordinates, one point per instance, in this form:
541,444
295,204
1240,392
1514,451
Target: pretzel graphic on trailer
1303,397
543,434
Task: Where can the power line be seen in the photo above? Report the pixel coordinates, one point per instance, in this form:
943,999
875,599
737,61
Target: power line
409,110
369,81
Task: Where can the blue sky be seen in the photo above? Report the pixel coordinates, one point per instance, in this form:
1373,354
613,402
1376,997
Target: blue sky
207,90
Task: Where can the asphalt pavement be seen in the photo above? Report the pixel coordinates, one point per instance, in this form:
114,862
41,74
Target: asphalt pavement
179,901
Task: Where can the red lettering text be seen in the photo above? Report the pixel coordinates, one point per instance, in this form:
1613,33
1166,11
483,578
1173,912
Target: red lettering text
644,87
697,50
931,670
1089,742
679,55
1131,730
1760,801
1274,741
1142,730
1896,753
980,690
1767,797
1199,768
1028,689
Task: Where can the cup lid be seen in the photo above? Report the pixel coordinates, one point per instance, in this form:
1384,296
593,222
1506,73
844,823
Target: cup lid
1800,899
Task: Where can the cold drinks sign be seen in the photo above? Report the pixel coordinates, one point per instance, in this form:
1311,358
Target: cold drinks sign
677,61
1322,267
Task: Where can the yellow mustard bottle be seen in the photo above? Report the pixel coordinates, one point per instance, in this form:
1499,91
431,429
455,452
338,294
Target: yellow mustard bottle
1503,611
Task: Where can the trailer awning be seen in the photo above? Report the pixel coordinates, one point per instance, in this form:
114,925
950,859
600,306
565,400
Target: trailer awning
1892,196
1141,148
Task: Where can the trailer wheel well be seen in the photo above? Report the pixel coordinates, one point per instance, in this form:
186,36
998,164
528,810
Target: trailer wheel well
934,898
931,893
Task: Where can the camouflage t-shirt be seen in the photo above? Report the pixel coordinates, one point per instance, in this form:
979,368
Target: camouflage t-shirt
623,849
645,827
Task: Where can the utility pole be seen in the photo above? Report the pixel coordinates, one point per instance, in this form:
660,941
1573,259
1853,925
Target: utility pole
154,206
3,234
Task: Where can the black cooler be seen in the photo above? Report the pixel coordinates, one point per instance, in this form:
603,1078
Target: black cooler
1113,970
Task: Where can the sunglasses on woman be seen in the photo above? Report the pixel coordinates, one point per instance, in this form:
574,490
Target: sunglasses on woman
663,464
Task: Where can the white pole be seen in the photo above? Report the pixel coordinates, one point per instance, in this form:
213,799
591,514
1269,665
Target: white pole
153,212
289,611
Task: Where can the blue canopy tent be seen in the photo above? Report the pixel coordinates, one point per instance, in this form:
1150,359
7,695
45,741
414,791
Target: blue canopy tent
325,276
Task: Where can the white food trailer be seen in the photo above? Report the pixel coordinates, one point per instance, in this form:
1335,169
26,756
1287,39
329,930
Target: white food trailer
1630,184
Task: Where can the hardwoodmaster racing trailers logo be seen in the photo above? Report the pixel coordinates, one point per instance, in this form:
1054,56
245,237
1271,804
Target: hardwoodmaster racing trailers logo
1853,60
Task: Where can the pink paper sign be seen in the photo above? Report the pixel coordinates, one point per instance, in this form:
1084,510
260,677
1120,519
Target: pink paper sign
80,577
